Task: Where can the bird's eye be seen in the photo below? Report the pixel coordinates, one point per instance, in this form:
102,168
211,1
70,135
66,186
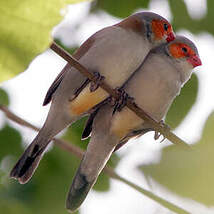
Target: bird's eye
184,50
165,26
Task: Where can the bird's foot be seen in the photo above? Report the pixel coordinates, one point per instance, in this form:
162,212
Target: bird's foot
121,101
97,80
157,134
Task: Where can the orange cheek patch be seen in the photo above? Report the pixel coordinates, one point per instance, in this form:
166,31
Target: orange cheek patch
86,100
157,28
176,50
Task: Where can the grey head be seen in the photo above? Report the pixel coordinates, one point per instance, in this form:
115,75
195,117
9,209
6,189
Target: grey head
152,26
158,28
181,53
184,50
180,49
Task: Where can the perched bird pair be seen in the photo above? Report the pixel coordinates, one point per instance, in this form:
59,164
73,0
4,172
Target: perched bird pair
140,54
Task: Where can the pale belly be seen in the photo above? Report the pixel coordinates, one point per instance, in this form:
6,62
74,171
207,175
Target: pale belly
86,100
153,88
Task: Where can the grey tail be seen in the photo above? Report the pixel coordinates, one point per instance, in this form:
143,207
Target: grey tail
78,191
94,160
99,150
27,164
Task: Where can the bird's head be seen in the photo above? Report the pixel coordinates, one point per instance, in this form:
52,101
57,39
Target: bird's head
151,26
158,29
183,55
184,51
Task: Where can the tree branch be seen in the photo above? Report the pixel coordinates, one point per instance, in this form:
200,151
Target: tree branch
108,170
130,104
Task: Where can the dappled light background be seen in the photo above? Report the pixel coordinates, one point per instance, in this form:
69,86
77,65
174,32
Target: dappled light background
182,177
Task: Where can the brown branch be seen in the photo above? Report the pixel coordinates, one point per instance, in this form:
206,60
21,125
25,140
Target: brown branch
130,104
108,170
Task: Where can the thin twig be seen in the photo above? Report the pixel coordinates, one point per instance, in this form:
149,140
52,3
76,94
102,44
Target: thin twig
130,104
108,170
61,143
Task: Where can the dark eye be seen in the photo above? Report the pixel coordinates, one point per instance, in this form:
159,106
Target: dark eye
184,50
165,26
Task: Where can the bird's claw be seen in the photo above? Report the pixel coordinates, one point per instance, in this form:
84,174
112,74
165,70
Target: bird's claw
157,134
97,80
121,101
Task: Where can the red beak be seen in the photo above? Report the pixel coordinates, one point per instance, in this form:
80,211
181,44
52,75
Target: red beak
194,60
170,37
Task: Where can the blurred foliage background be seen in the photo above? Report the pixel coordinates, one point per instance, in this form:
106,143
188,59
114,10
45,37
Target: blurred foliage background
25,32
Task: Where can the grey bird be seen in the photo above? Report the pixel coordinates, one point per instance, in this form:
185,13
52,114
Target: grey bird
114,52
153,86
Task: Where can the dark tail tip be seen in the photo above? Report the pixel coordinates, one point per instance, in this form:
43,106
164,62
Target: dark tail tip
20,168
27,164
78,191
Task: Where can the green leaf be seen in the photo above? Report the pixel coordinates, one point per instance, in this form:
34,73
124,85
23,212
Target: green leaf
183,103
121,9
188,173
182,19
4,99
11,207
10,140
26,31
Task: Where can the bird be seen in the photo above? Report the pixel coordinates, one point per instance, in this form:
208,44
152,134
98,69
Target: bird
113,53
153,87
